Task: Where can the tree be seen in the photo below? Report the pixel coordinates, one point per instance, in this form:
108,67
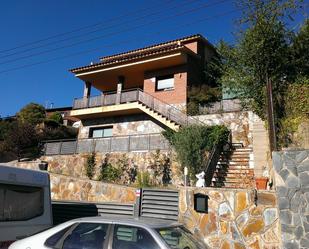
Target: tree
300,51
56,117
20,139
260,62
32,114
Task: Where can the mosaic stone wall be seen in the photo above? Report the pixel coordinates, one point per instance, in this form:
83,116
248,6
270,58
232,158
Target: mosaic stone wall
74,165
236,219
292,182
75,189
122,125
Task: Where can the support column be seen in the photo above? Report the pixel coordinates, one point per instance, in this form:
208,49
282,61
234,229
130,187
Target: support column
87,89
119,88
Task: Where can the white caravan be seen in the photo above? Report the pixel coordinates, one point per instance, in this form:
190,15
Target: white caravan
25,204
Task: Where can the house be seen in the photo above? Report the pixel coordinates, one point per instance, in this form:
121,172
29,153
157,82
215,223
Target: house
142,91
145,91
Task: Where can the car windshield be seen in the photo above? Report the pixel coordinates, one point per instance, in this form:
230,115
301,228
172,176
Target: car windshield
179,238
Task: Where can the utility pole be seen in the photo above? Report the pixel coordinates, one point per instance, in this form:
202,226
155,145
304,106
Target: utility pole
270,116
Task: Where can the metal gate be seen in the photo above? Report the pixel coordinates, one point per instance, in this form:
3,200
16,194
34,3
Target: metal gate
64,211
159,203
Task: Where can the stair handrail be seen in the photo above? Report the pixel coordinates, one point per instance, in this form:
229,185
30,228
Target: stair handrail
171,110
213,159
170,107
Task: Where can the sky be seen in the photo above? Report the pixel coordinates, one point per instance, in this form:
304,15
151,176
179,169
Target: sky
41,40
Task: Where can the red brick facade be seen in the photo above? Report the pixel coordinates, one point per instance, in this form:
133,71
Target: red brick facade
178,95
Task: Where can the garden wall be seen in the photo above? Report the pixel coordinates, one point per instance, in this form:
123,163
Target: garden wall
236,219
75,189
292,182
74,165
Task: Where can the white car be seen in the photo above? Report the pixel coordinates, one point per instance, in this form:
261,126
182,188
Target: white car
112,233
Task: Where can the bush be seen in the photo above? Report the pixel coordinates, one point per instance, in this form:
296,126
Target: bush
202,95
296,105
143,180
57,117
32,114
90,165
192,142
108,172
160,166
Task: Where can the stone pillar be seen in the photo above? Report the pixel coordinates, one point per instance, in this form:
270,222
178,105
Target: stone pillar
87,89
119,88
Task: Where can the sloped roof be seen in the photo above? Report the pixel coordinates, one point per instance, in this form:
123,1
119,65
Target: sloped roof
161,48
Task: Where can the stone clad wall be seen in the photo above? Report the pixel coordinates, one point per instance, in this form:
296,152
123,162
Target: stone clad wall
75,189
72,188
292,182
122,125
74,165
236,219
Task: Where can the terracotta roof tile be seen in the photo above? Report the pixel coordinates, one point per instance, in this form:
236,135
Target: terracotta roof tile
140,53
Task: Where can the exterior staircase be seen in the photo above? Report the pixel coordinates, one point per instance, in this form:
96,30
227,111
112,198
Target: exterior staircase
232,170
133,99
158,116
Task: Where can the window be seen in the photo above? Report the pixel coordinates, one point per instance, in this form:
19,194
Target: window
164,83
86,235
18,203
179,238
106,131
133,238
53,240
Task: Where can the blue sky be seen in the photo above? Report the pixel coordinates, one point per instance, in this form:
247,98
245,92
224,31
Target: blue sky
113,26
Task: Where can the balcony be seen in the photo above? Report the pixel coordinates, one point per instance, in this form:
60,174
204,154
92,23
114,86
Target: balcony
132,143
107,99
128,102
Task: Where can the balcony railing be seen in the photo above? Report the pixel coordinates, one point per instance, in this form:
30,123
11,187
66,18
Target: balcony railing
143,142
225,105
137,95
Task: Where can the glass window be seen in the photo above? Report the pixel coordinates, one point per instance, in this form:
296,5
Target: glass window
133,238
179,238
101,132
20,202
86,236
165,82
52,241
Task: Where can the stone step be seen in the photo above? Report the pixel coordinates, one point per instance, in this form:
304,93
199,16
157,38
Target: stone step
240,163
232,177
240,153
243,149
236,159
234,171
231,185
246,155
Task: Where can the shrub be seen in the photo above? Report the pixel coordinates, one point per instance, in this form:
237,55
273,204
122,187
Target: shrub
57,117
296,104
108,172
192,142
90,165
32,114
143,180
160,166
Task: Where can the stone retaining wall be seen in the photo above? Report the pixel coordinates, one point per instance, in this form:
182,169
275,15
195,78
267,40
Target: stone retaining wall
236,219
292,182
74,189
74,165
